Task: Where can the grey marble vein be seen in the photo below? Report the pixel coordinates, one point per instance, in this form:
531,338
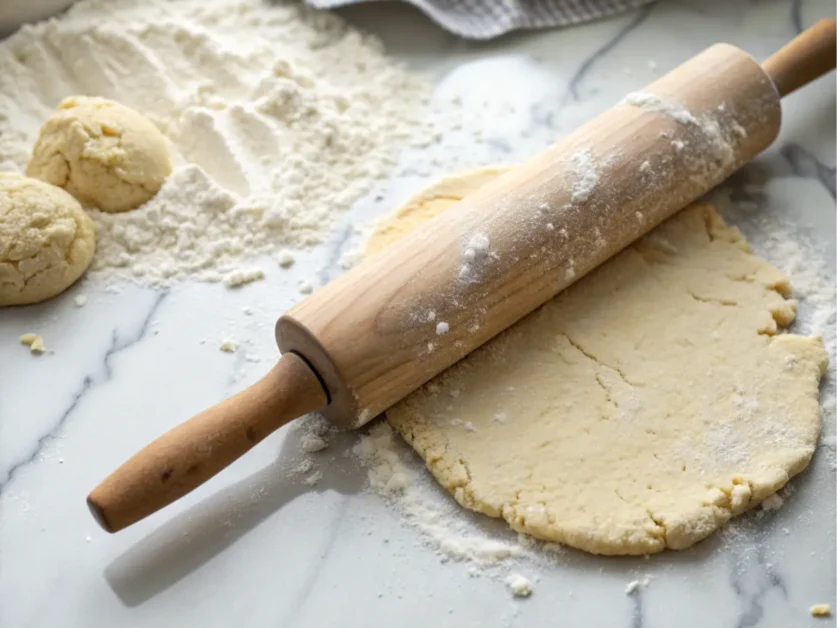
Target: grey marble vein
547,118
86,385
117,345
636,612
796,15
586,65
804,164
331,267
767,580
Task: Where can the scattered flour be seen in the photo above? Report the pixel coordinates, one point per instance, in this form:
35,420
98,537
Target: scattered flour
279,118
314,429
80,300
415,495
350,258
303,466
442,328
774,502
520,586
634,585
760,211
310,443
315,477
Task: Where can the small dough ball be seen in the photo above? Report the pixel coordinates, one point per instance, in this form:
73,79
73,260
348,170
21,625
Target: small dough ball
46,240
101,152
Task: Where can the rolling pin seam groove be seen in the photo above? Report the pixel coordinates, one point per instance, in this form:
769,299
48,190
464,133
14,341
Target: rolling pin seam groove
316,374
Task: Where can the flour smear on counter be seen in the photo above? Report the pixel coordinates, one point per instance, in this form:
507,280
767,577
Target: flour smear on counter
279,118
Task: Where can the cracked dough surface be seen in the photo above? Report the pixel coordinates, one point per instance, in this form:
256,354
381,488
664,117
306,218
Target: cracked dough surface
638,410
101,152
46,240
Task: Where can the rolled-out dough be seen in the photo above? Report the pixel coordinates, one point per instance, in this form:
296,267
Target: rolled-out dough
638,410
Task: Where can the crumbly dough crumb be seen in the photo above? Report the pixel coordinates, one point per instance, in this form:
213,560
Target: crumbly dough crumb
34,342
774,502
229,345
821,610
519,585
238,278
311,443
285,258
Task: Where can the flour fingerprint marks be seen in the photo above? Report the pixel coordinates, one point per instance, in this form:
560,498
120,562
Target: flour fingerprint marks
252,136
201,140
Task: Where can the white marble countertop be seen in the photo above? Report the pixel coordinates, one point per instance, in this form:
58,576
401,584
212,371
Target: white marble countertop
257,547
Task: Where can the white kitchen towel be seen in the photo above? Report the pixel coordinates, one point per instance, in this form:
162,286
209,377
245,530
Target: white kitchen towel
484,19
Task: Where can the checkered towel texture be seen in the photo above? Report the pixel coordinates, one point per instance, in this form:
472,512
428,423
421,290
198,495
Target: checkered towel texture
484,19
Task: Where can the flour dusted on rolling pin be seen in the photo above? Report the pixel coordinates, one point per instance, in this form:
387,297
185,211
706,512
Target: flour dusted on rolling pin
474,255
708,128
586,177
652,102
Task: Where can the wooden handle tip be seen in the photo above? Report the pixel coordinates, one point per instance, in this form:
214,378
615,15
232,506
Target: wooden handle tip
99,514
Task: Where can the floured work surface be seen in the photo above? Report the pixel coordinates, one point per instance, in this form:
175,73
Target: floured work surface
638,410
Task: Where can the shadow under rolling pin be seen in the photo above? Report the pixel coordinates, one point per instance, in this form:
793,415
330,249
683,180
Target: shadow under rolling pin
357,346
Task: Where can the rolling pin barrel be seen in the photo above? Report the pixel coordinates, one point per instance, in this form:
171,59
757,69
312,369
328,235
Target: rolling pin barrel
385,328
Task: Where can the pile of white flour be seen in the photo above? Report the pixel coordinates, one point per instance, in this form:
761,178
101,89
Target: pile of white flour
279,118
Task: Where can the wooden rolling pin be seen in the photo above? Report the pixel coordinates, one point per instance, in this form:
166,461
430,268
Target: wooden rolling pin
368,339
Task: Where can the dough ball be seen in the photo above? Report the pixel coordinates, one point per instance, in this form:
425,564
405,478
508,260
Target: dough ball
46,240
638,410
101,152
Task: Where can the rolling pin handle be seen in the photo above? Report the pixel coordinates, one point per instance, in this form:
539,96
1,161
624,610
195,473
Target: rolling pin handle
188,455
805,58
